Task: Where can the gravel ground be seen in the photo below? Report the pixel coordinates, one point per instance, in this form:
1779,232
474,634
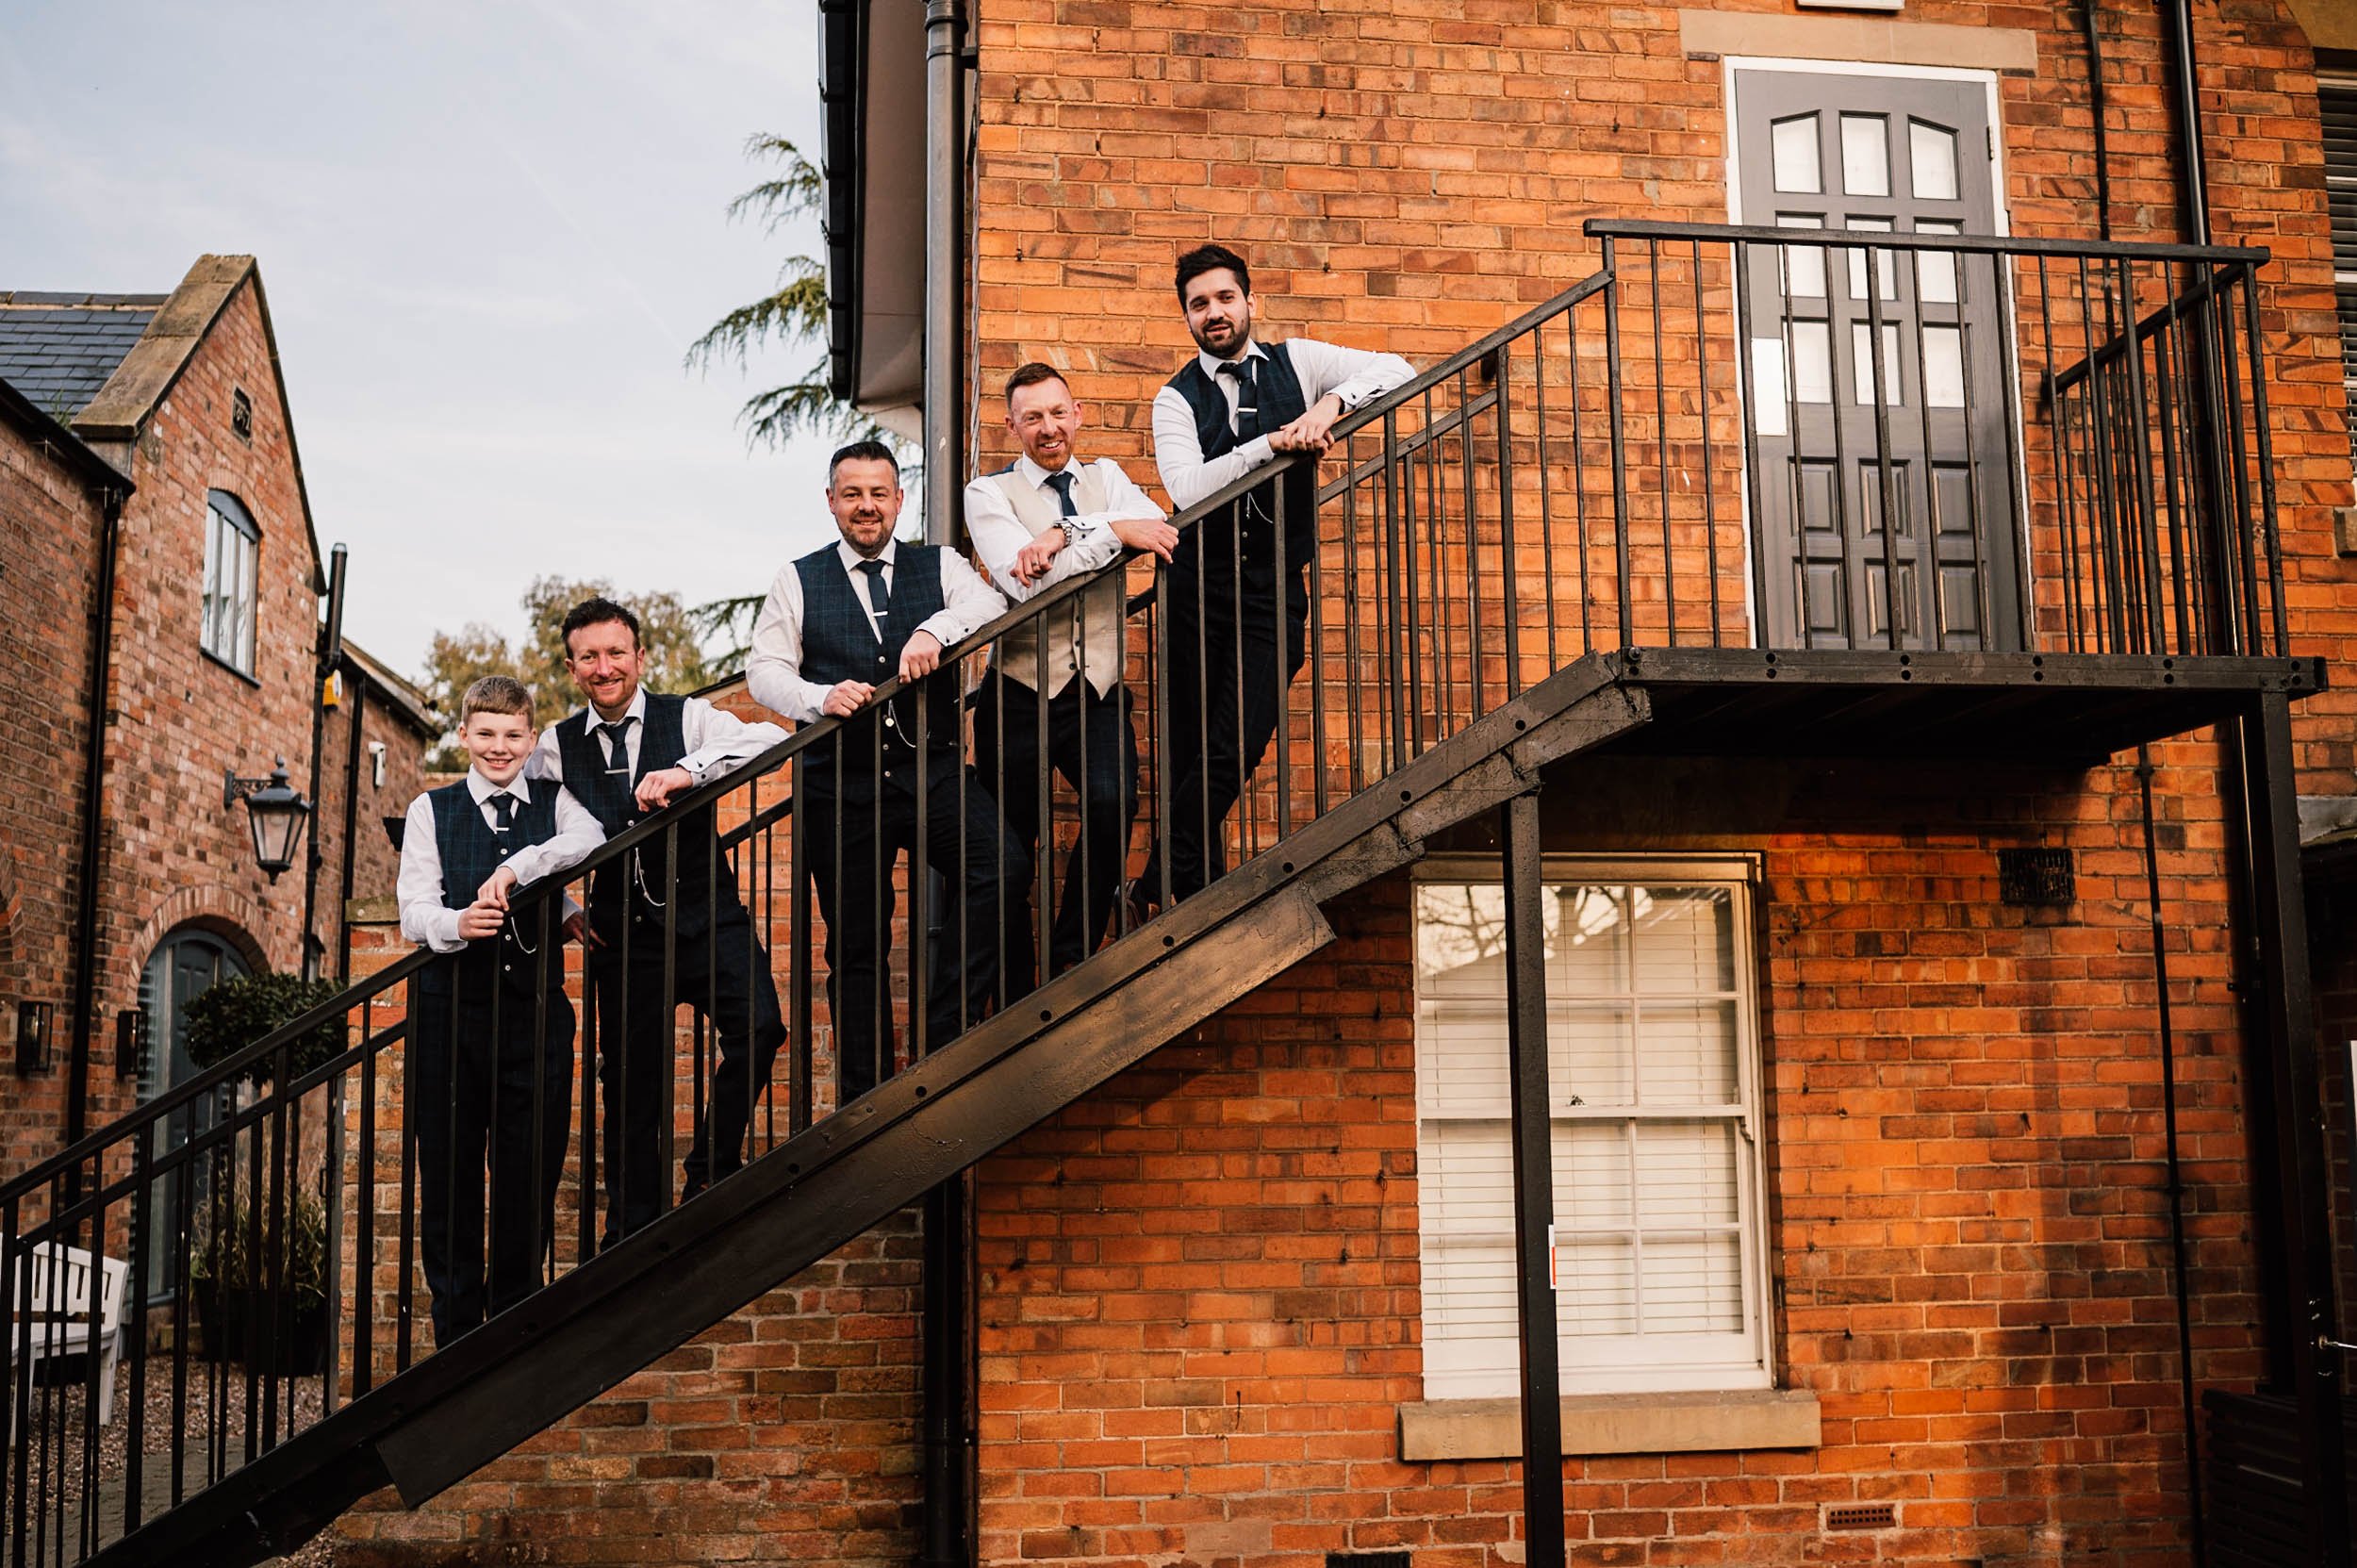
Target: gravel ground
213,1415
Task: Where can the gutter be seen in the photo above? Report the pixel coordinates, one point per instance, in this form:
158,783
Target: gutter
843,135
112,499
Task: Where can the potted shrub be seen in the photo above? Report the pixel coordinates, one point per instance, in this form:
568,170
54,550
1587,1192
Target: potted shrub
238,1012
240,1315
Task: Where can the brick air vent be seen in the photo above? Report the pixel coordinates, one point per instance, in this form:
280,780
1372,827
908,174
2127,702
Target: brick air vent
1366,1560
241,413
2034,876
1861,1516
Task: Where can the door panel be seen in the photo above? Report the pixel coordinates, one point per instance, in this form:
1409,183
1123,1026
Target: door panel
1881,373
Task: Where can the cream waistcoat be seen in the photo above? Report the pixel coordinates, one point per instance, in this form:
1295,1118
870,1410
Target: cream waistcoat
1085,632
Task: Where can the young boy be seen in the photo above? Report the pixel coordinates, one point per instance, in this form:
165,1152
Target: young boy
490,1034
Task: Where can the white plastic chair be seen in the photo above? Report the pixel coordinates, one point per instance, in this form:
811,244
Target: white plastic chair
58,1321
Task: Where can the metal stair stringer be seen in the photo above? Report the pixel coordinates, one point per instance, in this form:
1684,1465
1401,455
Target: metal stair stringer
463,1407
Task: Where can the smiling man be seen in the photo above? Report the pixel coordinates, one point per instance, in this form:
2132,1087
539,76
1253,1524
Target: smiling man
1235,406
1045,519
838,623
625,757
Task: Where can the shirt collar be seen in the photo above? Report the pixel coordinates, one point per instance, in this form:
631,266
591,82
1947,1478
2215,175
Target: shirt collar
483,789
1212,362
1036,477
851,559
637,710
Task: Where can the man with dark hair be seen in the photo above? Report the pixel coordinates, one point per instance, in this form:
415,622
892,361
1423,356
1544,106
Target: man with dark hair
1045,519
624,756
838,623
1238,576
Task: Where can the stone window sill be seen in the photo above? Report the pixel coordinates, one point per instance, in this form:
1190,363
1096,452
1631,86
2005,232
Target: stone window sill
1615,1423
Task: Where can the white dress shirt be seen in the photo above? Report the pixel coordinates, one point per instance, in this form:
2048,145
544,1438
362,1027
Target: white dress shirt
999,535
773,673
423,915
718,743
1354,375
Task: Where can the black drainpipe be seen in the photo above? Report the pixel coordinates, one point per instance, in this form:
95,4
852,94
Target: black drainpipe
2098,99
325,657
946,1539
93,782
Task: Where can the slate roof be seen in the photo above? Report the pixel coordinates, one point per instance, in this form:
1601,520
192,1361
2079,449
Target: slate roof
58,349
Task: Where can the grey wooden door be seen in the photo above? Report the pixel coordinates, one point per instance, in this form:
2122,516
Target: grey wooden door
1861,153
185,964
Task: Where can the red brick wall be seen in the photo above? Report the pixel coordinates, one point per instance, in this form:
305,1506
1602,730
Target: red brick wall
1201,1315
176,717
1408,176
48,577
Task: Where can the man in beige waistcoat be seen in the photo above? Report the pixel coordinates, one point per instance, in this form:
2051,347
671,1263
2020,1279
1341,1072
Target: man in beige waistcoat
1048,517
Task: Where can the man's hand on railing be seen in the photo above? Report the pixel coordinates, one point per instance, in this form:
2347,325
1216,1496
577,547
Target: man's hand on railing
1152,536
847,699
919,657
481,919
1033,561
1313,432
656,789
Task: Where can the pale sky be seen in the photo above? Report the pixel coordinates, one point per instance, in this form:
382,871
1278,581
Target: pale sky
488,231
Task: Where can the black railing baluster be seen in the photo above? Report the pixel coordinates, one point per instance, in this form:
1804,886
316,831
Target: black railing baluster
2244,635
1318,738
1510,611
1619,444
1579,488
1354,673
1976,520
1744,376
1654,284
1547,494
1396,734
1796,491
1701,412
2138,410
2279,619
2183,577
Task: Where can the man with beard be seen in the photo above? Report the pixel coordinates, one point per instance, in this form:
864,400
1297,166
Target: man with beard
1237,577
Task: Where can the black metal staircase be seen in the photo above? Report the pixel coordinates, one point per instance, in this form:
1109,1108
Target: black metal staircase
1563,539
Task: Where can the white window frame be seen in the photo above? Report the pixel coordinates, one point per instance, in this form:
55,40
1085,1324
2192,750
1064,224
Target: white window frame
230,609
1468,1366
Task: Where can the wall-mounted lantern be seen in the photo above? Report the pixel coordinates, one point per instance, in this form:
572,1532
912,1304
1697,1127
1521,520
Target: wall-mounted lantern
32,1038
275,810
131,1041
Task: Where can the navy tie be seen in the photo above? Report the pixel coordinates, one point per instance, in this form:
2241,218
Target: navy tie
504,808
878,597
616,746
1247,374
1061,484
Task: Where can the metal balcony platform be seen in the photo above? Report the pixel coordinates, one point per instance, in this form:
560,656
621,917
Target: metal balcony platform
2061,708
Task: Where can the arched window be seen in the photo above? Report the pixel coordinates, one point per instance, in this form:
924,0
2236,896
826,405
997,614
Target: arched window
232,542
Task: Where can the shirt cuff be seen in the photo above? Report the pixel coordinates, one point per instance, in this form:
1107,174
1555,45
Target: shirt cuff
945,628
